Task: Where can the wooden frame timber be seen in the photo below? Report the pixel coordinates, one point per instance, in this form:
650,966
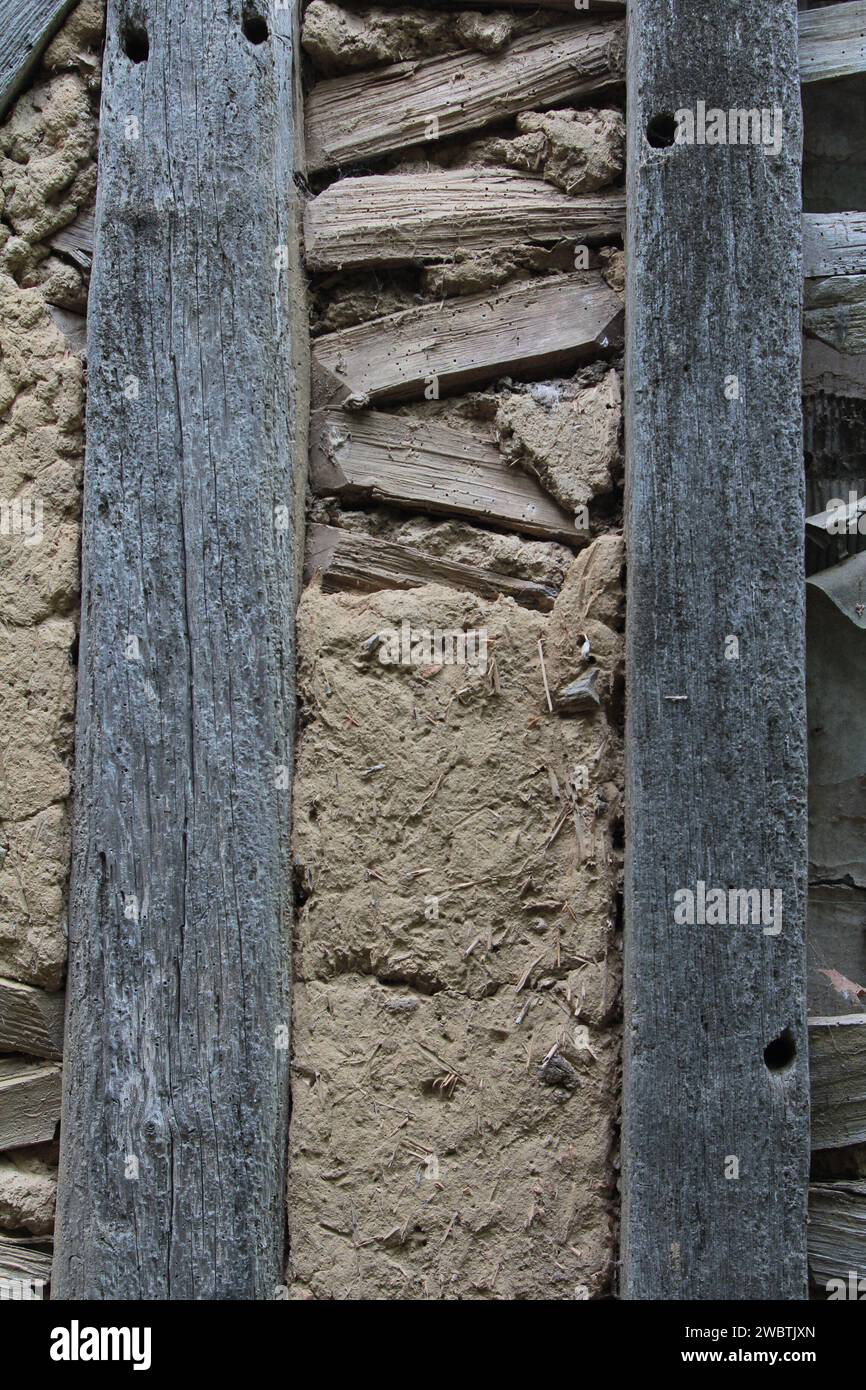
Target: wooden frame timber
715,1140
172,1177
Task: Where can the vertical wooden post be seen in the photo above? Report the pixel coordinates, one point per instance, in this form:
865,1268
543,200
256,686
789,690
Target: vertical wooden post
716,1084
176,1064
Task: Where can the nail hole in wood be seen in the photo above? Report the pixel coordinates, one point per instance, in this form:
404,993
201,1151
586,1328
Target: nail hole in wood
780,1053
661,130
135,42
255,27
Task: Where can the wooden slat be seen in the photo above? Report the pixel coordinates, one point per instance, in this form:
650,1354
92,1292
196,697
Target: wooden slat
31,1021
350,560
29,1101
26,27
180,889
832,372
834,243
394,219
833,41
367,455
716,758
834,311
368,114
837,1052
526,331
837,1237
76,240
25,1258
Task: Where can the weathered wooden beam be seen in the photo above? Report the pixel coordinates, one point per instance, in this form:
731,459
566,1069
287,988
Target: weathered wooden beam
25,1258
525,331
833,41
834,243
837,1237
834,311
394,219
172,1168
837,1051
420,464
31,1021
360,117
26,29
715,1138
29,1101
350,560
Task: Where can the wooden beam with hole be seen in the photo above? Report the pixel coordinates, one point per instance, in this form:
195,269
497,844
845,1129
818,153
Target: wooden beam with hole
351,560
527,330
425,466
351,119
837,1051
715,782
834,243
31,1021
26,29
396,219
833,41
837,1237
29,1101
180,896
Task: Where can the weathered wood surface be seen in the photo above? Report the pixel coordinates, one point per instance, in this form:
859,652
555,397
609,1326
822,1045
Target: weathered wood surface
359,117
835,373
836,940
26,28
715,779
834,311
351,560
76,240
834,243
29,1101
837,1235
25,1257
426,466
523,331
31,1021
837,1052
393,219
833,41
837,722
172,1179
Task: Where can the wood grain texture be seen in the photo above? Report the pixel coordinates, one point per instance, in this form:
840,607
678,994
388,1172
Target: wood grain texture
29,1101
76,240
833,41
363,116
834,311
172,1174
25,1257
26,28
396,219
837,1234
419,464
525,331
837,1051
351,560
31,1021
834,243
715,779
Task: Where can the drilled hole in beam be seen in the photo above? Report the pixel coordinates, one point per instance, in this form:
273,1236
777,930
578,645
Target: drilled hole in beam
135,42
780,1053
661,130
255,27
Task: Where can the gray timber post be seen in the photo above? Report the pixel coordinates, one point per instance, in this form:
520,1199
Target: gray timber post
176,1065
715,1142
